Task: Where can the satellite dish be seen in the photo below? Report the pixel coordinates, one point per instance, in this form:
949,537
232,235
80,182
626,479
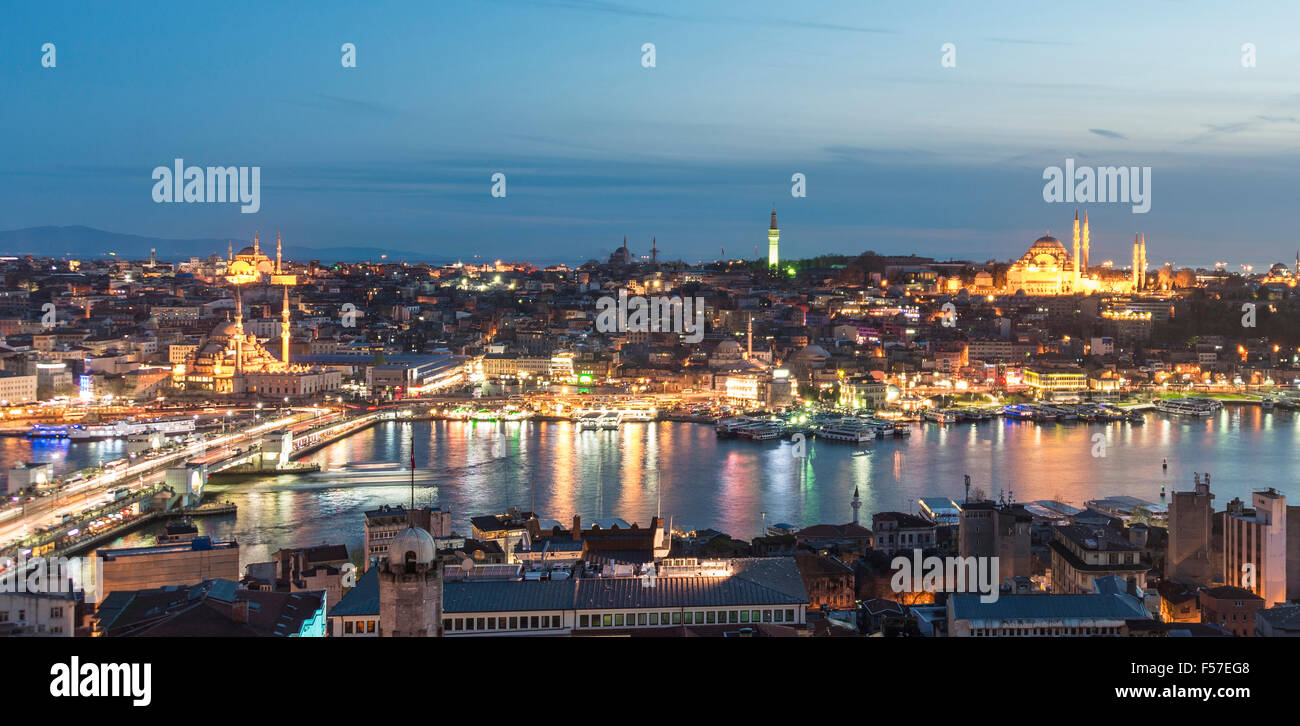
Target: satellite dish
467,565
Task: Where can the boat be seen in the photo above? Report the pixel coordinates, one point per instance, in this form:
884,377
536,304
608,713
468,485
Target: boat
1267,403
1196,407
902,429
846,431
608,421
178,531
939,415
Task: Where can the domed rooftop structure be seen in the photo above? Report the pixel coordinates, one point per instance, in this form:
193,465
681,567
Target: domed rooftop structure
412,545
1047,241
248,251
227,329
813,351
728,347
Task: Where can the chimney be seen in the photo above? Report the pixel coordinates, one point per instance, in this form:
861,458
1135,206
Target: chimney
577,528
239,611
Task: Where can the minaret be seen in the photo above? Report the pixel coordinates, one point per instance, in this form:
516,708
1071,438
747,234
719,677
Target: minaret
1078,260
277,253
230,252
749,338
1137,263
857,504
1144,261
239,332
654,250
1087,236
773,236
257,248
284,329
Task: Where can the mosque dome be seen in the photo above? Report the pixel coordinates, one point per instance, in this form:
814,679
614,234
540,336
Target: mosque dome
248,251
412,543
813,351
227,329
1047,241
727,348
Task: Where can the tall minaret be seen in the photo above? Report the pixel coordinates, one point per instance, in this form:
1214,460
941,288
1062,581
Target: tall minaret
1137,263
284,329
257,247
749,338
230,252
1078,260
773,236
857,504
277,253
1144,260
1087,237
654,250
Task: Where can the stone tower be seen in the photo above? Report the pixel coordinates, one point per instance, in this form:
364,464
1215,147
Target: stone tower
410,587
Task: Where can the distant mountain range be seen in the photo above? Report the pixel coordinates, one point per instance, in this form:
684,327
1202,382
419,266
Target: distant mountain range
83,242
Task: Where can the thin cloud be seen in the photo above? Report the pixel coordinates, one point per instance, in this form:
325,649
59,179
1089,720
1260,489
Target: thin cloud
598,6
1107,133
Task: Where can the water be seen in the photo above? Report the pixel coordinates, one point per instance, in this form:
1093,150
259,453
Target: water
483,468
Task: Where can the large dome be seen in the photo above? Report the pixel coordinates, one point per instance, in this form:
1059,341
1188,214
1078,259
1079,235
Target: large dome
412,540
1048,241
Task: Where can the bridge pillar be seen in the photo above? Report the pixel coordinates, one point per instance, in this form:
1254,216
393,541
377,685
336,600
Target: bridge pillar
188,482
276,448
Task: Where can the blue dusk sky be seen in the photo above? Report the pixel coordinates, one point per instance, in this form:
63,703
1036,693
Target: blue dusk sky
900,153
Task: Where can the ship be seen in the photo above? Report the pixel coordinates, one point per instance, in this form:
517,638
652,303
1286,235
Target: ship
1197,407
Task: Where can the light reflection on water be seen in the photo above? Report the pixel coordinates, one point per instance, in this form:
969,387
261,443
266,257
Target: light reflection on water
700,481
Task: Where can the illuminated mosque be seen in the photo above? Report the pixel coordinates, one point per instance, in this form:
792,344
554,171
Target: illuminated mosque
1047,268
231,360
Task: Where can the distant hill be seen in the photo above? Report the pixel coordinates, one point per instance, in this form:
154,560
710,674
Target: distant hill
83,242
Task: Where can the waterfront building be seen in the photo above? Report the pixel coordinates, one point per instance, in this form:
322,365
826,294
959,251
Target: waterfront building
1082,554
188,563
1191,521
1255,545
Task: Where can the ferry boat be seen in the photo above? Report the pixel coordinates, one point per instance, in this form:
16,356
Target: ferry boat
1266,403
902,429
847,432
608,421
939,415
1198,407
48,431
762,431
178,531
123,429
1020,411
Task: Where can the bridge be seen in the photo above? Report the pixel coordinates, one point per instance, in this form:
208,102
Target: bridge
170,484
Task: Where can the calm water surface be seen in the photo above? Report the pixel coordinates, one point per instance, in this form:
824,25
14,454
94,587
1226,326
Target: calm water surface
686,472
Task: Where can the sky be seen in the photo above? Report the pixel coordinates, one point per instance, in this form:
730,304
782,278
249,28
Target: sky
900,154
